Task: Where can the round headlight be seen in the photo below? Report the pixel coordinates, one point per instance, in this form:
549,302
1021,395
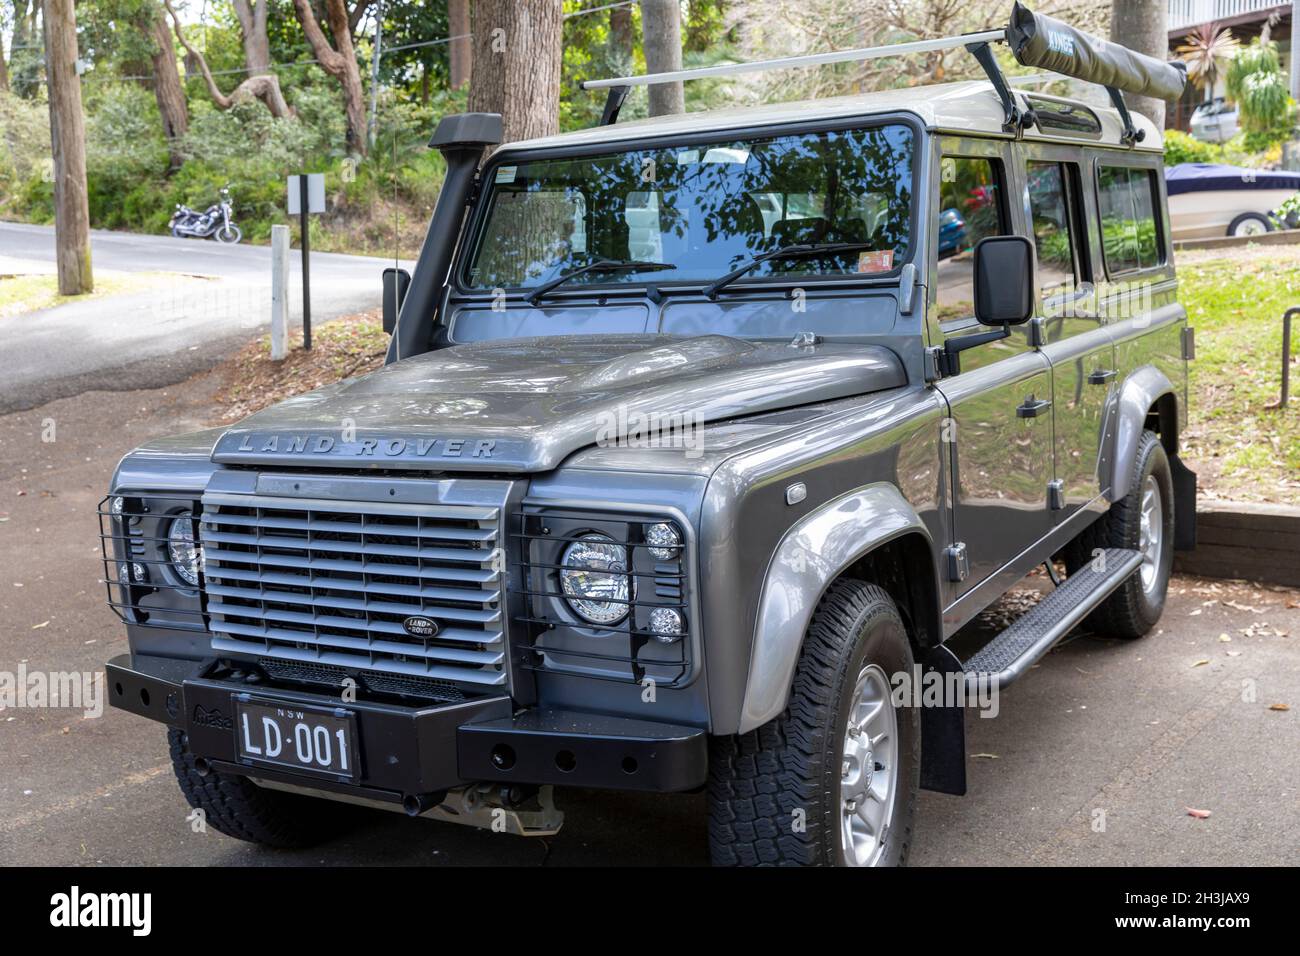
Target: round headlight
594,579
663,540
181,549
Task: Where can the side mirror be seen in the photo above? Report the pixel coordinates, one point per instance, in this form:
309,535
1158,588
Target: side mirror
1004,280
396,282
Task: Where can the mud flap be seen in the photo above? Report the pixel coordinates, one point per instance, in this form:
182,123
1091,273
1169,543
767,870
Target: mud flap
1184,504
943,734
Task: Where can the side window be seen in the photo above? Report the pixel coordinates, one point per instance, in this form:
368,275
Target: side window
1126,198
1053,210
970,209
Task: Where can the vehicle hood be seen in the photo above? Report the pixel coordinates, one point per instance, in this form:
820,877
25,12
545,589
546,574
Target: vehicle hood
524,405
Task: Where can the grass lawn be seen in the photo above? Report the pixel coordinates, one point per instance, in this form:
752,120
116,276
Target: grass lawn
30,293
1235,300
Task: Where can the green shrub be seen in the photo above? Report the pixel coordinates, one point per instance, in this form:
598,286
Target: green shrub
1182,147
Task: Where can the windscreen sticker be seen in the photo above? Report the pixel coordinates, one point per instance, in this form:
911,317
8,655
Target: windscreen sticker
876,260
506,174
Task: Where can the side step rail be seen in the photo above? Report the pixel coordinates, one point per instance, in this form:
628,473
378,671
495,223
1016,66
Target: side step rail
1006,657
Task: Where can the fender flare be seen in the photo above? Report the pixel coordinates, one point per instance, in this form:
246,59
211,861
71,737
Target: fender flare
1139,392
811,555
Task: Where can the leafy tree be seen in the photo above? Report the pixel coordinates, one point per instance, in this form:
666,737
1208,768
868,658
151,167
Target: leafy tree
260,83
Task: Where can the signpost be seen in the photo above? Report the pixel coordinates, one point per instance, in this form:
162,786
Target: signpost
306,196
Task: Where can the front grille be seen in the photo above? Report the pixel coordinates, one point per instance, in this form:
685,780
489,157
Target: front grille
330,583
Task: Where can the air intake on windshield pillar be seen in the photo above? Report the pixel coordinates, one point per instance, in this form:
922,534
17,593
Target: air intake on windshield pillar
463,139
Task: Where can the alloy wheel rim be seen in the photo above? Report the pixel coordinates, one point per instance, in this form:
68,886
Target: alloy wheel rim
868,769
1151,534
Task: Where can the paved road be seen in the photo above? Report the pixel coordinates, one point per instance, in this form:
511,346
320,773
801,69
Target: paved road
211,300
1093,759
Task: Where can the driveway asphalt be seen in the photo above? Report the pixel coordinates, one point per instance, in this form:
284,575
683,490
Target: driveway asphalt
1094,757
204,301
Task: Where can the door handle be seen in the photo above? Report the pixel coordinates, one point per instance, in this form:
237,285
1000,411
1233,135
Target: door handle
1033,407
1101,376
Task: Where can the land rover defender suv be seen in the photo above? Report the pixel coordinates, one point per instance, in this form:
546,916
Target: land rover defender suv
699,440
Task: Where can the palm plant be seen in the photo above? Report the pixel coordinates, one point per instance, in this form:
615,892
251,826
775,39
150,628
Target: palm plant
1206,50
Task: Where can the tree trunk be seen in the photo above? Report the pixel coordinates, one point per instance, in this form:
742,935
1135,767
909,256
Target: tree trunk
661,38
251,15
68,139
460,50
4,70
167,89
340,62
622,37
19,56
1141,25
515,68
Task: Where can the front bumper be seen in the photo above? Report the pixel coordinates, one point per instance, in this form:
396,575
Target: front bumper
422,750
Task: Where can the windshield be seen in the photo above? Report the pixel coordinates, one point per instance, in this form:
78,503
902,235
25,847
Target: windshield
702,209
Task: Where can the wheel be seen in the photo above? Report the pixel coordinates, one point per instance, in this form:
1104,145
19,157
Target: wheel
1250,224
833,780
1142,520
241,809
229,234
177,234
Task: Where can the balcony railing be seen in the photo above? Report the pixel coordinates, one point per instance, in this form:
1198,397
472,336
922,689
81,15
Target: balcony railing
1186,13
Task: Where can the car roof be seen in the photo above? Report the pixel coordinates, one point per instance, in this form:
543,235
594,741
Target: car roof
970,107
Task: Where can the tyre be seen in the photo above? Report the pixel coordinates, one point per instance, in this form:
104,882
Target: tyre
833,780
241,809
1142,520
1250,224
229,234
177,234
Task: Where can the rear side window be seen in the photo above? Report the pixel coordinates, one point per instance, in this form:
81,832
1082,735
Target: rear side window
1126,199
1050,204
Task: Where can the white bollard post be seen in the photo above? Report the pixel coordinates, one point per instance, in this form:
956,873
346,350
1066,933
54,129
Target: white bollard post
279,292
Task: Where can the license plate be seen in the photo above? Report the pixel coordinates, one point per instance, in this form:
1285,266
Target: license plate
299,738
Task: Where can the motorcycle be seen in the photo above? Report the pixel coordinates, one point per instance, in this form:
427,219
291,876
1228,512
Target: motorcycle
212,223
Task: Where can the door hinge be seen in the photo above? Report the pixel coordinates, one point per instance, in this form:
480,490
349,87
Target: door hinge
958,563
1056,494
1037,337
935,362
1189,343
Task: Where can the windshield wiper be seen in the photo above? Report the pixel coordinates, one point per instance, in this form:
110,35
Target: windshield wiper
799,251
599,265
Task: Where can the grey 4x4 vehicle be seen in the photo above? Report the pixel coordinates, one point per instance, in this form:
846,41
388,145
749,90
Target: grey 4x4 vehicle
700,437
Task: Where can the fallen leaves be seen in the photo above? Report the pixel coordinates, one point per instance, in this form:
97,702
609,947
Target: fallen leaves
1202,662
1279,707
1242,607
1198,814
